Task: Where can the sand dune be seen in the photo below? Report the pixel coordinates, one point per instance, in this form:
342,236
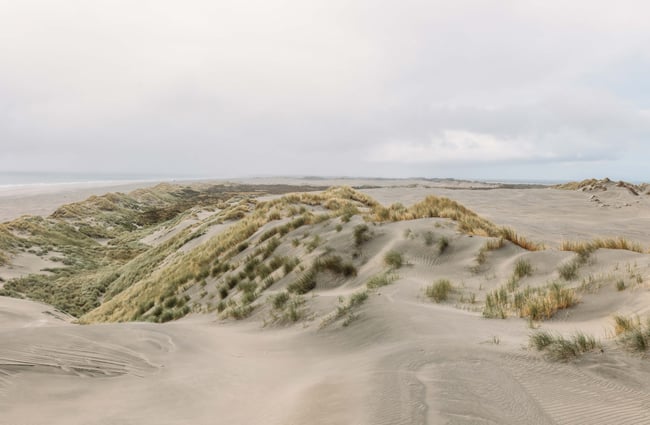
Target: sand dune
395,358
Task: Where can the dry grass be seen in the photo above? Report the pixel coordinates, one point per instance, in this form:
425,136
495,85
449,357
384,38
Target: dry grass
468,221
587,247
533,303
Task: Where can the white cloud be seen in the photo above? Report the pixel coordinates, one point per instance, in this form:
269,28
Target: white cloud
459,147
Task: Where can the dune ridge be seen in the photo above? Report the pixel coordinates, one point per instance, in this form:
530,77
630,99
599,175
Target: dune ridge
331,307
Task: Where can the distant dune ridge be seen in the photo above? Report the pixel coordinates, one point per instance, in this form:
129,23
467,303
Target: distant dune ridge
396,302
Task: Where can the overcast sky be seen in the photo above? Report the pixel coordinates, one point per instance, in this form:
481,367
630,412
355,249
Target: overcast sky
469,89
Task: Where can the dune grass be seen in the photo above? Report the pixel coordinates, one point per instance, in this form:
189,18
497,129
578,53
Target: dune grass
632,333
394,259
534,303
468,221
439,290
381,279
558,348
328,262
346,309
587,247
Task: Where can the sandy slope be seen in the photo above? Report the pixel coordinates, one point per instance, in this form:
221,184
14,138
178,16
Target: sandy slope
405,360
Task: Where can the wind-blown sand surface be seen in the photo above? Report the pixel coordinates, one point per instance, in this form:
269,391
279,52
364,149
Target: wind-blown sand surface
405,360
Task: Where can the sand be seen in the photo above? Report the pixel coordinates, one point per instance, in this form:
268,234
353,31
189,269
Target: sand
43,199
405,360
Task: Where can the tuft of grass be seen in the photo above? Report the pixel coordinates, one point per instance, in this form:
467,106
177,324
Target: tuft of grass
558,348
569,271
280,300
305,283
443,244
393,259
428,238
523,268
533,303
439,291
381,279
620,285
632,333
347,309
332,263
361,234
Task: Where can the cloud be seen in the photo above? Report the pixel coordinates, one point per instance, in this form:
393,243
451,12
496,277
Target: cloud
328,87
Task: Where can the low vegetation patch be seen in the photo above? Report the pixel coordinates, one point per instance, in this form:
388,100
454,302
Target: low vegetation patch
558,348
393,259
587,247
382,279
632,333
468,221
361,234
439,291
443,244
331,263
346,309
534,303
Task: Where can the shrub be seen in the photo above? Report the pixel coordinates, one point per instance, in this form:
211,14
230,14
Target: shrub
170,302
393,259
620,285
336,265
439,291
223,292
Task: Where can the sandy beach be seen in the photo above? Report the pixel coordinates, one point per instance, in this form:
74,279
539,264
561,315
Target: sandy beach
402,359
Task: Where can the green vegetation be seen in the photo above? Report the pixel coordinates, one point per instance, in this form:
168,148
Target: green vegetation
533,303
481,256
381,279
330,263
558,348
136,256
361,234
439,291
443,244
346,309
523,268
393,259
632,334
